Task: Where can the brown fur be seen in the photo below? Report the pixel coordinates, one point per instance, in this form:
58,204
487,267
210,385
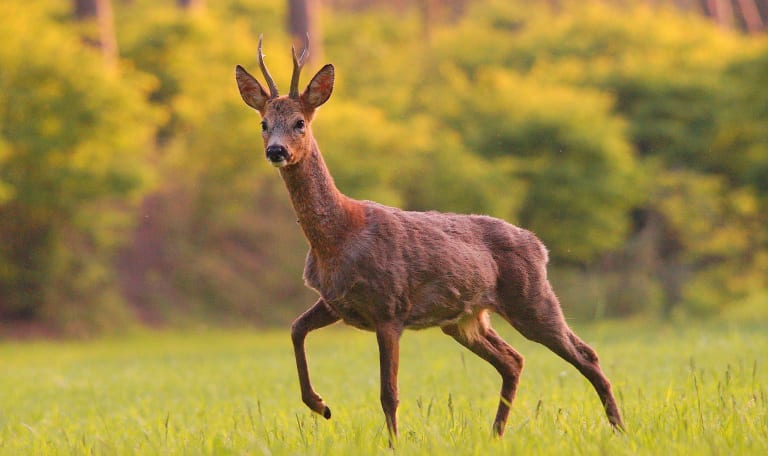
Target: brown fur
383,269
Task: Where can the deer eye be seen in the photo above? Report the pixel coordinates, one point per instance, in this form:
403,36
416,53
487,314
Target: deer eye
300,124
263,125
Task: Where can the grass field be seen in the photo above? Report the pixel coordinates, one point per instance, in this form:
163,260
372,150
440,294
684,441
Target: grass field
686,390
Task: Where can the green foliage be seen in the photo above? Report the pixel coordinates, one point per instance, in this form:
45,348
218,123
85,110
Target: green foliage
659,67
567,148
740,147
681,100
630,139
73,140
382,65
682,390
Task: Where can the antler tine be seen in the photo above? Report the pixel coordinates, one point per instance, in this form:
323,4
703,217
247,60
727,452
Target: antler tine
270,82
298,63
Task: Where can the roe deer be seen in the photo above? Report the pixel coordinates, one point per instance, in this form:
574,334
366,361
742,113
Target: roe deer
383,269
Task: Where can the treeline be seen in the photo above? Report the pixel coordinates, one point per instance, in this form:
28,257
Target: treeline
633,140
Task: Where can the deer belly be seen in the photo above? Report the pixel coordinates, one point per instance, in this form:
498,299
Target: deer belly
441,305
369,295
436,305
356,312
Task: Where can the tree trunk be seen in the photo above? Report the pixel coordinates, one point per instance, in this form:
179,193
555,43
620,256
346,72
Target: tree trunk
85,9
303,23
191,4
437,12
751,14
102,35
721,11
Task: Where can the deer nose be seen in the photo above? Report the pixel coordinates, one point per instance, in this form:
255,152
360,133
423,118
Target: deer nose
278,155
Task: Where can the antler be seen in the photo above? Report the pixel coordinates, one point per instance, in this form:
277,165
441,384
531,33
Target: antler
298,63
270,82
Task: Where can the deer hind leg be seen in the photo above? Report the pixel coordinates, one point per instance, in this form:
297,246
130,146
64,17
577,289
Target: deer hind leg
388,337
317,316
487,344
542,321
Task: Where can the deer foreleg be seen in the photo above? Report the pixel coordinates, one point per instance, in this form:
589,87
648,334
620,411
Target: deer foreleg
317,316
388,336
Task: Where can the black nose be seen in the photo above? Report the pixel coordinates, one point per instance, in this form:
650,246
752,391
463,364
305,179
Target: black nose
277,153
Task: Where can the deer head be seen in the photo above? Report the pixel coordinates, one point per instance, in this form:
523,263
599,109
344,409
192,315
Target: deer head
285,120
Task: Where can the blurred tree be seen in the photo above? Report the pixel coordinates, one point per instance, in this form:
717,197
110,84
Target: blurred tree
437,12
721,11
631,139
72,139
303,24
668,86
740,146
572,153
754,21
191,4
218,239
98,30
745,14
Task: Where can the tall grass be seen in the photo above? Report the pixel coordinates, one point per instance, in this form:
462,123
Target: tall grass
699,389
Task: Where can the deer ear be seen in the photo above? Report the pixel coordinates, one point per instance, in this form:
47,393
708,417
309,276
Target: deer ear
320,87
252,92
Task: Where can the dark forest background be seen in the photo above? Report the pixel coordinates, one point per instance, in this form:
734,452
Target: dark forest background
631,136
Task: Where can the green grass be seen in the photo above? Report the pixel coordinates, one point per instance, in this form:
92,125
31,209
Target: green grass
700,389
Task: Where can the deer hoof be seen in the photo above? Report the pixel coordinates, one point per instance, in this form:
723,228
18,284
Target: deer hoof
317,405
498,429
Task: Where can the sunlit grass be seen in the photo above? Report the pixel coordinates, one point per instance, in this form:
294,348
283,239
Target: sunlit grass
682,390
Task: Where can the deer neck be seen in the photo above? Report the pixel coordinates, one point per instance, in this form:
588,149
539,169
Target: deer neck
325,215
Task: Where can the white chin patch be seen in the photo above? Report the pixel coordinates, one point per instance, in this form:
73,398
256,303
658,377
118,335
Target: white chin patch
279,164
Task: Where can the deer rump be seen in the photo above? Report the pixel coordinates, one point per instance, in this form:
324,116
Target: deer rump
427,269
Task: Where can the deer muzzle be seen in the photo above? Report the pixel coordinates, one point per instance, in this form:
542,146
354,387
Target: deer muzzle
278,155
